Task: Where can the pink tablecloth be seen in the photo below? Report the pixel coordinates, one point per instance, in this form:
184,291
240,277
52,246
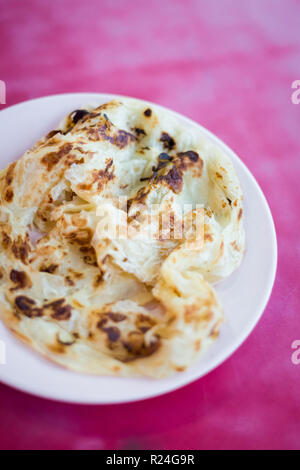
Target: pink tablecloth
229,65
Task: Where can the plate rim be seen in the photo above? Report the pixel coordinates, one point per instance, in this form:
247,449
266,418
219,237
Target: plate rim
230,349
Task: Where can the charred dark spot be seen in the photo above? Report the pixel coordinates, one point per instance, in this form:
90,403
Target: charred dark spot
193,156
165,157
24,303
148,112
136,347
102,323
113,333
54,305
116,317
53,133
108,132
49,269
62,313
98,280
9,195
20,278
229,201
123,139
172,175
78,114
144,323
163,160
52,158
21,249
77,275
168,141
27,306
173,179
139,131
69,281
90,260
71,158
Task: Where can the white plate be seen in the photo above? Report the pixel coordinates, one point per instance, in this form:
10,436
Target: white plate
244,295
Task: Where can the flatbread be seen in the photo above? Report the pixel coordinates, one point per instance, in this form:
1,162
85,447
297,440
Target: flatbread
77,290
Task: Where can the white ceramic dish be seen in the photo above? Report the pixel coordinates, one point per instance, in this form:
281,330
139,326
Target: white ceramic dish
244,295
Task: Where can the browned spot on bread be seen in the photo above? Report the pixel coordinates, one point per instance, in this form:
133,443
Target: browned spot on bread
52,134
9,177
101,177
137,348
55,304
49,269
215,331
27,306
240,214
116,317
98,280
190,312
113,333
59,310
6,240
144,323
168,141
218,175
91,258
21,249
80,237
235,246
52,158
77,304
62,313
24,303
129,345
69,281
173,179
139,132
21,279
108,132
170,169
78,114
57,348
9,195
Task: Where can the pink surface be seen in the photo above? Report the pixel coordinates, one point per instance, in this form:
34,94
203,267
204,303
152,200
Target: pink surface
228,65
